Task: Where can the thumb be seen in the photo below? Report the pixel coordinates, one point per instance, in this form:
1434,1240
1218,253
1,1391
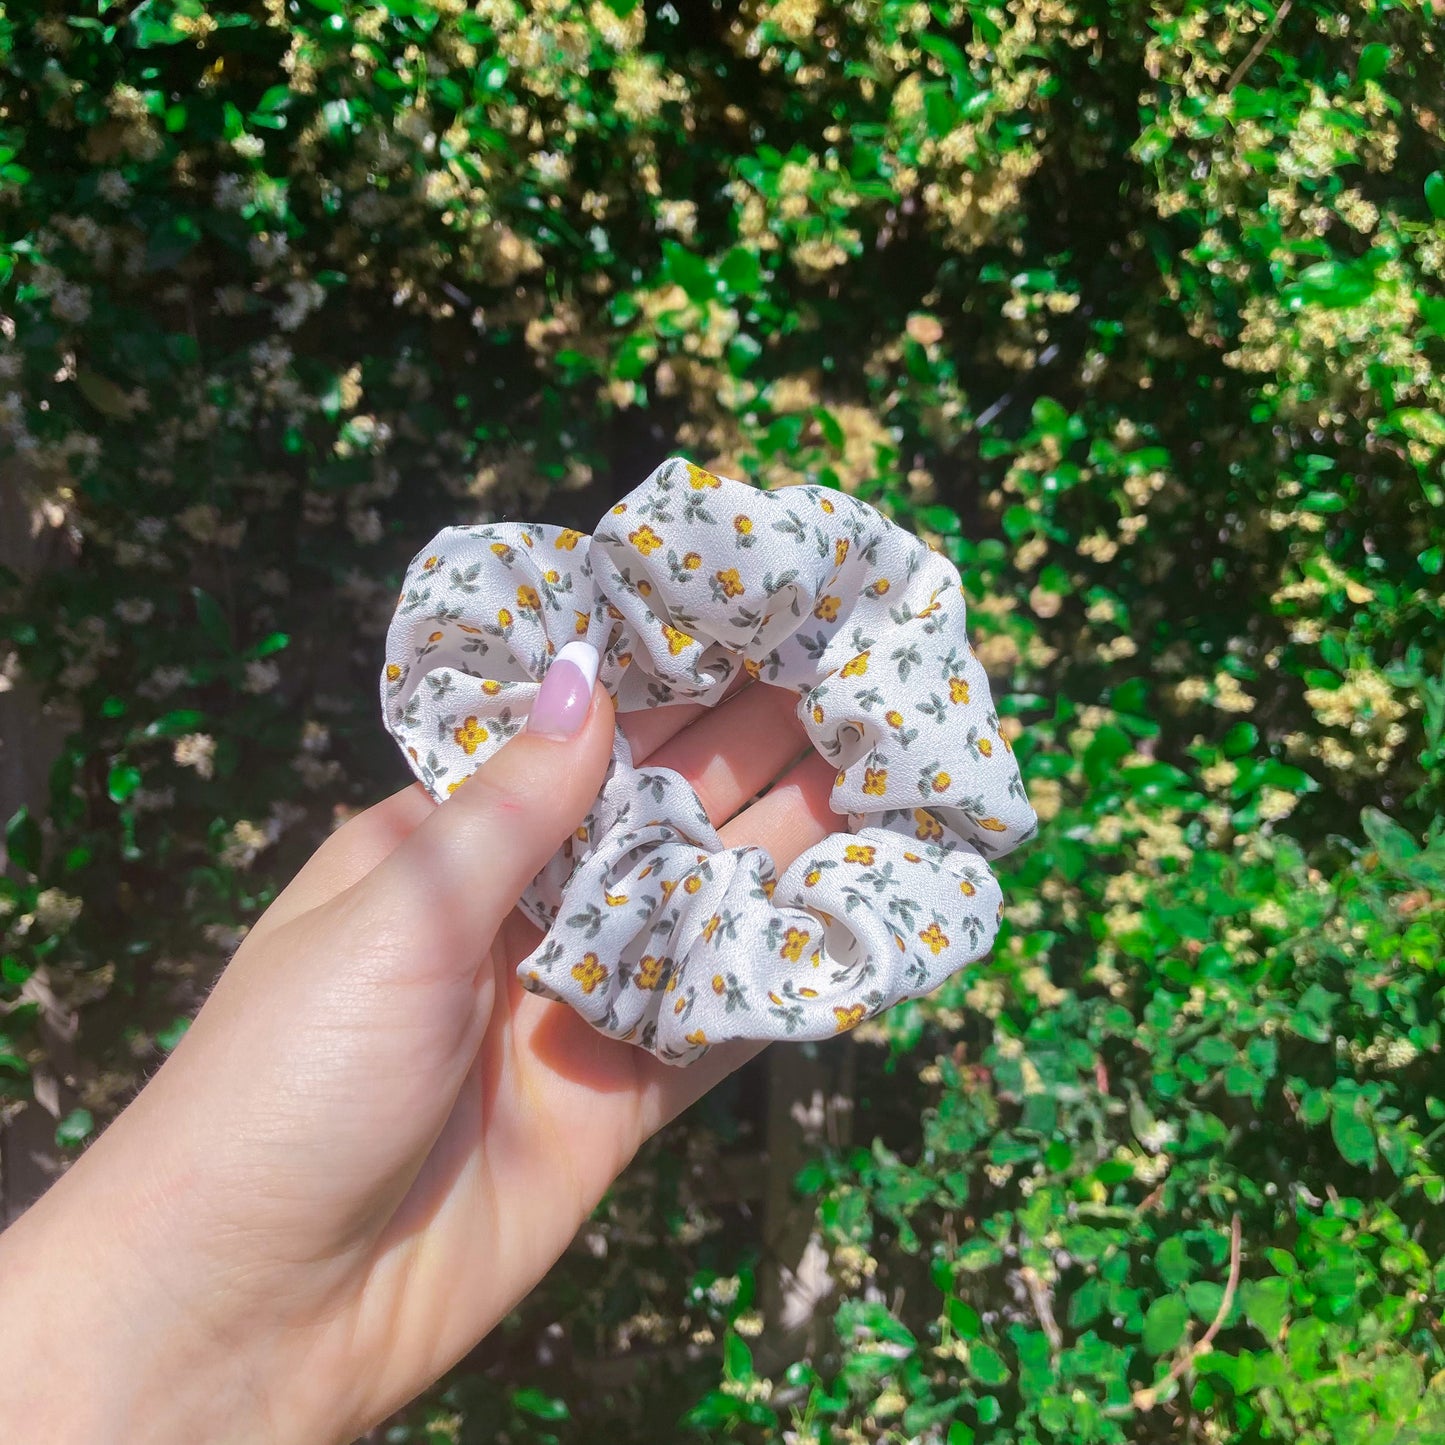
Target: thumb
448,887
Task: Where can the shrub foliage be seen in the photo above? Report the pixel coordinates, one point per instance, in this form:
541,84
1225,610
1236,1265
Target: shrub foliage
1136,311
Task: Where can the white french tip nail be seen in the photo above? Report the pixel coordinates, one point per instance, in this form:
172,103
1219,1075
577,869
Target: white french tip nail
584,657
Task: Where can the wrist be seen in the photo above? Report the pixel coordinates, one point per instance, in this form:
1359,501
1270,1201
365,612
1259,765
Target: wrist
100,1347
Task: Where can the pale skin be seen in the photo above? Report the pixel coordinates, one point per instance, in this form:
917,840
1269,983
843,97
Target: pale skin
373,1142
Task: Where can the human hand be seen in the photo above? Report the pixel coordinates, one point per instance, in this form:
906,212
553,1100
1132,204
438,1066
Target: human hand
372,1143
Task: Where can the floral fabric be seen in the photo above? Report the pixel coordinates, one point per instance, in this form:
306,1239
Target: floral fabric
657,933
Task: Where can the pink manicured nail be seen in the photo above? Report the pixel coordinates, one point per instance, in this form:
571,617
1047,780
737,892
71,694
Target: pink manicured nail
566,693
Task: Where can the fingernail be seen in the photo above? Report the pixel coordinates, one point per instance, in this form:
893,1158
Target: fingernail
565,697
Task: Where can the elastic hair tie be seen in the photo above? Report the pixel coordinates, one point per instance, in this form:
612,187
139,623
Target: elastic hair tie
655,931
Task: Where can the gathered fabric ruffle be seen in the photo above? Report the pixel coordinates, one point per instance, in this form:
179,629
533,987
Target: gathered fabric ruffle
655,931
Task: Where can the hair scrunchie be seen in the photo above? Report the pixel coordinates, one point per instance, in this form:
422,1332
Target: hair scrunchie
656,932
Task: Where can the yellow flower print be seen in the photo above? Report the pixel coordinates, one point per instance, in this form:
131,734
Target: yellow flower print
985,747
855,666
711,927
993,825
893,719
691,883
501,548
698,479
614,900
966,888
849,1018
623,660
929,829
1008,746
941,782
436,636
840,552
825,504
769,885
935,938
470,736
879,587
817,714
743,526
619,509
645,540
730,582
692,561
392,672
527,599
504,618
719,983
753,669
455,784
430,564
469,630
613,613
697,1036
875,781
794,942
913,858
676,641
589,973
581,620
840,780
644,587
957,690
812,876
807,993
827,608
669,887
681,1004
491,686
649,972
552,575
858,853
567,539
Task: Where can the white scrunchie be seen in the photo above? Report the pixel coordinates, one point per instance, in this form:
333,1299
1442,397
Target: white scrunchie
657,933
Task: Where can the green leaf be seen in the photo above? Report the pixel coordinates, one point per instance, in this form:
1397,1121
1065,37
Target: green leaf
1354,1136
123,780
173,1033
1435,194
1375,59
690,271
1331,284
532,1401
173,724
1164,1324
102,393
75,1128
737,1358
1172,1261
986,1365
23,842
1243,737
212,619
1396,845
741,271
963,1319
1265,1301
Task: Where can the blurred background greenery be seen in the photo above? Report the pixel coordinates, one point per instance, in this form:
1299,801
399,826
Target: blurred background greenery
1136,311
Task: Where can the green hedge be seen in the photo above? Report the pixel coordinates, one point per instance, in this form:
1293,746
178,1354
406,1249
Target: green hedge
1136,311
